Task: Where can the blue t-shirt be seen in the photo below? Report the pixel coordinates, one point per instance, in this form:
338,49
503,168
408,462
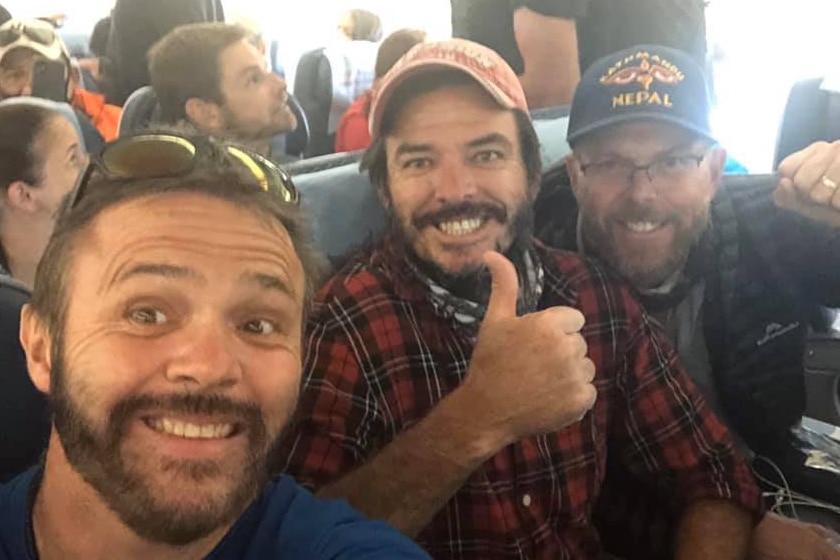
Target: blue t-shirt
285,522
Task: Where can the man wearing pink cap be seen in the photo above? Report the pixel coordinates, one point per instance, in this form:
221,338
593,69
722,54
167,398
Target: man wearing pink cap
466,383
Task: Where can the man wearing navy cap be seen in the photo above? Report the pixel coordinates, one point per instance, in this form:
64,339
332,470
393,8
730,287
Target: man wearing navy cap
734,272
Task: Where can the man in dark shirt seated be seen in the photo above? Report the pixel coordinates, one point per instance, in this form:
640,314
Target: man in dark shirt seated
214,77
550,42
165,324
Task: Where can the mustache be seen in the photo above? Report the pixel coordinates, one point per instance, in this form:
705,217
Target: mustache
245,413
461,210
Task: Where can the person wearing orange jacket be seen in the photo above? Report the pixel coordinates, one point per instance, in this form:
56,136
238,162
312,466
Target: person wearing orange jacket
35,61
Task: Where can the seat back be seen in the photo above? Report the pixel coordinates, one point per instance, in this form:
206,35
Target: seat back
64,108
812,113
296,142
141,109
313,89
24,417
327,81
822,378
343,205
345,208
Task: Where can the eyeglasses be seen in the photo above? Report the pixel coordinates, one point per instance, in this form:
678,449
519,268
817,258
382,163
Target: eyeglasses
148,156
39,35
620,171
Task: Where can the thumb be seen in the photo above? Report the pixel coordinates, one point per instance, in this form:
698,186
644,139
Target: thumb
505,287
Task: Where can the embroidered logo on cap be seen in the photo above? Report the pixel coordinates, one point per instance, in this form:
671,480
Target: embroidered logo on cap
462,52
647,70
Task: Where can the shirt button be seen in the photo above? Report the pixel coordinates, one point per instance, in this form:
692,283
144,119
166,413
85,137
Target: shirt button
526,500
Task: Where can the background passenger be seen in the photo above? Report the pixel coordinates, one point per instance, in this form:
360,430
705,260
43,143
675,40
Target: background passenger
212,76
353,131
39,164
30,52
136,25
360,25
549,42
330,78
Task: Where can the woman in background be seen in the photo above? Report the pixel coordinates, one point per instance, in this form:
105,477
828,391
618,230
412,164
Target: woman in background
39,165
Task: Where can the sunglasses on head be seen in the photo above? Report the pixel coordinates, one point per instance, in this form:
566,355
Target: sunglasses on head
38,35
148,156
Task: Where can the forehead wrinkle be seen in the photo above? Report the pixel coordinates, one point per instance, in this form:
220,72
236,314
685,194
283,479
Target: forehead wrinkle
143,250
247,245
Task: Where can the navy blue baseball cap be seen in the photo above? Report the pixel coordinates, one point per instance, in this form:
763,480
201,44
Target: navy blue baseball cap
642,82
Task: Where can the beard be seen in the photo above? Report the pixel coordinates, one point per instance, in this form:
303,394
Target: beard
646,269
473,283
97,454
238,129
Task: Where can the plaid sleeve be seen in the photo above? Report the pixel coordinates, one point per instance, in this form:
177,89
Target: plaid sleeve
666,429
336,416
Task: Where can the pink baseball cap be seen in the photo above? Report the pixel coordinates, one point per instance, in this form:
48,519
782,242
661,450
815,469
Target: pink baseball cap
484,65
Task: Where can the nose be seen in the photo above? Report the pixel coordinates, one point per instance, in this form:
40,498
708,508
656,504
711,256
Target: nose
454,180
642,188
205,356
279,83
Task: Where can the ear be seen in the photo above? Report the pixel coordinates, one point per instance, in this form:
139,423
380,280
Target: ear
205,115
20,195
575,175
37,344
717,164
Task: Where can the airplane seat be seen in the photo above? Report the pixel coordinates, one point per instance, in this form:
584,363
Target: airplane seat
345,209
64,108
296,142
343,205
327,81
313,88
822,377
24,416
812,113
142,109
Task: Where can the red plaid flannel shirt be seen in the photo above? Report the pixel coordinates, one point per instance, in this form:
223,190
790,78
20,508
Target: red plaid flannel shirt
379,359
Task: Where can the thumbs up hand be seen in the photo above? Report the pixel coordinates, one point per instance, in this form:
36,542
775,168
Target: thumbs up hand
528,375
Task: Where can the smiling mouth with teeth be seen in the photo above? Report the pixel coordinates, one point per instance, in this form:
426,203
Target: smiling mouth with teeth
461,227
188,430
643,227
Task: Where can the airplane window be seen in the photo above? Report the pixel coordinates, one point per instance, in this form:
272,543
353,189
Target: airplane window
758,50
